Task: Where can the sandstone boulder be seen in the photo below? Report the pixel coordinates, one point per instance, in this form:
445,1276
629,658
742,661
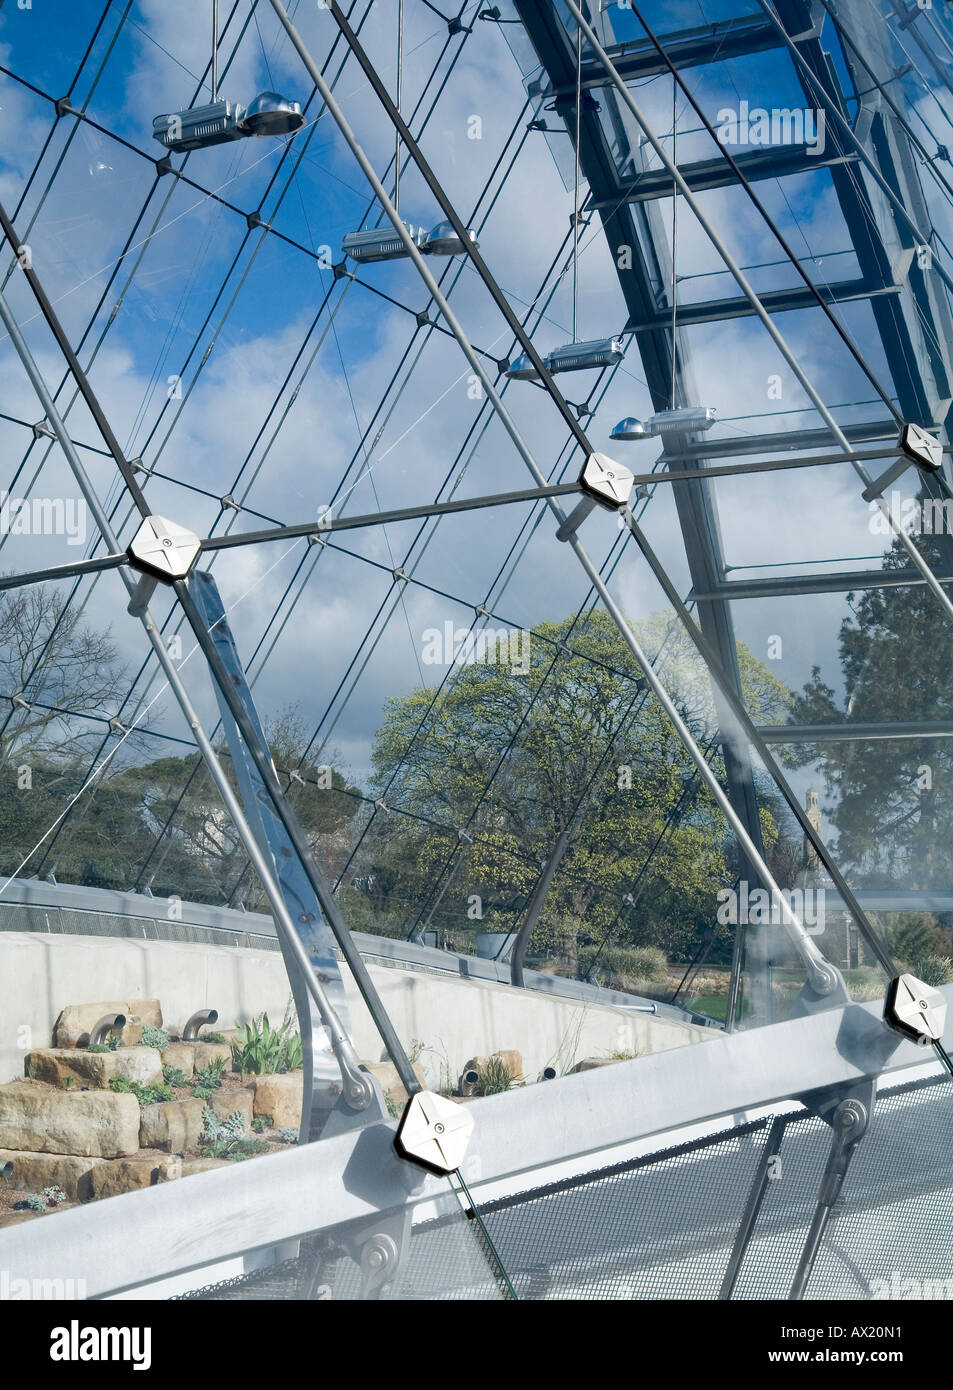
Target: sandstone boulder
75,1021
590,1064
171,1125
205,1053
226,1103
389,1081
281,1096
93,1124
57,1065
116,1175
181,1055
34,1171
200,1165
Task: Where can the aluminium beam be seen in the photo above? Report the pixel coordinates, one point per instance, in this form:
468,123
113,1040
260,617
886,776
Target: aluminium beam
781,441
846,582
856,730
688,48
774,302
704,174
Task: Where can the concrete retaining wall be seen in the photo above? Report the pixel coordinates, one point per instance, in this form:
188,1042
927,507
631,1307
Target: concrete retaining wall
453,1018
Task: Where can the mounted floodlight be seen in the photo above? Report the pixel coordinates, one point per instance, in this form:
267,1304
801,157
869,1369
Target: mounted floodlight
221,121
629,428
272,114
443,241
578,357
921,446
522,369
683,419
381,243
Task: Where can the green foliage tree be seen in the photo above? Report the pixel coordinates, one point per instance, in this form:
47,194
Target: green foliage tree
592,753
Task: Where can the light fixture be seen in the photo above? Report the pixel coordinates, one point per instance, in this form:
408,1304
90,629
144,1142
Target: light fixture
577,357
681,420
573,357
443,241
629,428
384,243
380,243
272,114
221,121
603,482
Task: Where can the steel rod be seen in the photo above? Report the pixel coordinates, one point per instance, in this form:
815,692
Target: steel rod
824,977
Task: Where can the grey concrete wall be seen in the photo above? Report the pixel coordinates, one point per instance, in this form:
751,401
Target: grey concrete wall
453,1018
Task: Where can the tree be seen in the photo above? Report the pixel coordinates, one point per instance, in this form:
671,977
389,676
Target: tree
573,746
891,799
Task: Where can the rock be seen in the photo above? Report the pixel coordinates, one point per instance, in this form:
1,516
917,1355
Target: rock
226,1103
172,1125
94,1069
96,1124
116,1175
76,1020
181,1055
390,1083
188,1166
590,1064
512,1060
34,1171
205,1053
281,1096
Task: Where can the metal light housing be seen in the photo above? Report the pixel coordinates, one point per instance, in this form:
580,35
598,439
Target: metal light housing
381,243
522,369
221,121
199,128
629,428
272,114
579,357
681,420
442,240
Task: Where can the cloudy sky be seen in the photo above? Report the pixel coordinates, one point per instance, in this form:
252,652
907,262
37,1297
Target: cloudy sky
233,363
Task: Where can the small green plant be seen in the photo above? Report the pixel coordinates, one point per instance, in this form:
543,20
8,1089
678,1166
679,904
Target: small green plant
145,1095
934,970
265,1049
393,1109
288,1134
54,1195
227,1138
35,1202
155,1037
208,1079
68,1081
97,1047
495,1077
214,1037
31,1072
263,1122
174,1076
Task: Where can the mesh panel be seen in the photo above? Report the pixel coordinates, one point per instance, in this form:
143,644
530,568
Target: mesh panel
664,1226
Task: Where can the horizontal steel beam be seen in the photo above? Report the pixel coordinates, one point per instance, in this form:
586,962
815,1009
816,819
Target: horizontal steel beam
770,163
855,730
773,301
730,38
352,523
844,582
783,440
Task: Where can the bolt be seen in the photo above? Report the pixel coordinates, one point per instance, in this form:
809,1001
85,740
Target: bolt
438,1128
375,1259
167,541
922,1004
